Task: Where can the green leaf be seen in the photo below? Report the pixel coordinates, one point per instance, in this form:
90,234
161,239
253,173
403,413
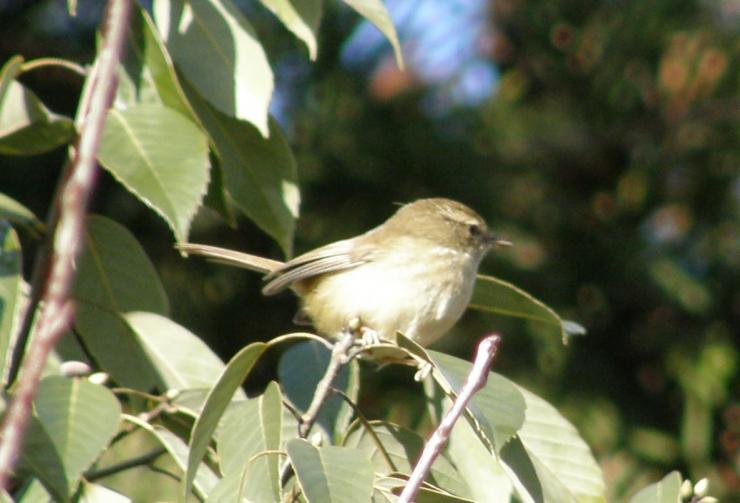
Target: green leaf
496,296
27,127
302,17
12,210
248,429
668,490
387,489
147,74
114,277
181,359
498,408
550,458
218,399
403,447
259,174
80,418
160,156
214,45
331,474
10,290
300,369
95,493
484,475
39,455
33,492
205,480
375,12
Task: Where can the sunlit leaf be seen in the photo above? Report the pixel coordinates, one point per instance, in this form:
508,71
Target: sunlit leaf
218,399
302,17
331,474
95,493
10,290
114,276
496,296
39,455
551,459
27,127
387,489
12,210
214,45
375,12
498,408
79,417
249,430
667,490
204,480
403,447
259,174
182,360
160,156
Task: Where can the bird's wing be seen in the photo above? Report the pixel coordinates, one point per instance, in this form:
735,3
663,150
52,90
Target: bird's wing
330,258
231,257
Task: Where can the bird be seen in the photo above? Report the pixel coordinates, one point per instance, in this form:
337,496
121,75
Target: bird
412,274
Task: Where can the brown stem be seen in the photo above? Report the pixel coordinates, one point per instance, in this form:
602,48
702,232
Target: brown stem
72,201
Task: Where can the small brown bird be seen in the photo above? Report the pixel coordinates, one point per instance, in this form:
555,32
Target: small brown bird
412,274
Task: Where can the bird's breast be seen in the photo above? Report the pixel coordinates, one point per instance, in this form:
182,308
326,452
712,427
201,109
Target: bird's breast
421,296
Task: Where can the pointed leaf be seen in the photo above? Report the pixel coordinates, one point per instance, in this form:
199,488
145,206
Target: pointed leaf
496,296
161,157
550,458
250,429
39,455
27,127
205,480
218,399
667,490
114,276
10,290
302,17
259,174
95,493
181,359
375,12
216,48
80,418
12,210
301,368
147,74
331,474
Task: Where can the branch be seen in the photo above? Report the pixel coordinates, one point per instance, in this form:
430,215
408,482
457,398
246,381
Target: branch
323,389
144,459
477,378
71,203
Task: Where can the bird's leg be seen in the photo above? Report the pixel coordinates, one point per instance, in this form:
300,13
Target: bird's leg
364,335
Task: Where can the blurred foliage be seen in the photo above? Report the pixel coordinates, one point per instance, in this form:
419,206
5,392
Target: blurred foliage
609,154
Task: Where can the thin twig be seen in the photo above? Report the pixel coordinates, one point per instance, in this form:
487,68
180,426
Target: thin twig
368,427
58,62
477,378
58,310
144,459
338,359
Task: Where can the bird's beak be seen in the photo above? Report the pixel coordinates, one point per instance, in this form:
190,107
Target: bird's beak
499,242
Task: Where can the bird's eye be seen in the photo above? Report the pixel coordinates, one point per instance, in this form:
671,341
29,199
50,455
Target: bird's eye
474,229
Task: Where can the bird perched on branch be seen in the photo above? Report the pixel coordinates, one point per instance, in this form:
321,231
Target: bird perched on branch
412,274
